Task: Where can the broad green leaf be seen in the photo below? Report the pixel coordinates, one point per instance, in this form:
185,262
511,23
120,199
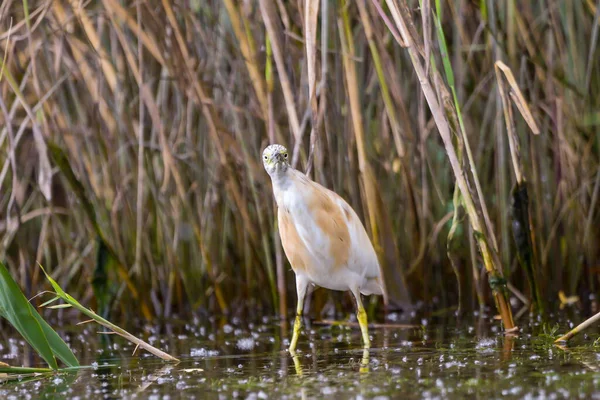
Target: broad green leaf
13,300
58,346
18,311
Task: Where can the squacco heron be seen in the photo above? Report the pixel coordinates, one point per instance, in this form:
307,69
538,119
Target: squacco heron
323,239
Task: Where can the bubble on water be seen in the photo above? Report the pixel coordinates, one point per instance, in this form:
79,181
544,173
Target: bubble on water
202,352
162,380
486,342
246,343
327,390
450,364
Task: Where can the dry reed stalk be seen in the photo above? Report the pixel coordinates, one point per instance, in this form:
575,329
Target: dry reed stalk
139,225
168,161
281,281
220,200
91,34
584,325
311,13
274,30
146,37
444,130
45,173
248,54
352,88
88,76
385,93
396,293
202,98
522,224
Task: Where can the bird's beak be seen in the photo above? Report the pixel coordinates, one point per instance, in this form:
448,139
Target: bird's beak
279,157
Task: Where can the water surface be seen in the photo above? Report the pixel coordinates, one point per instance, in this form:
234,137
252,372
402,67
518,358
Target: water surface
236,359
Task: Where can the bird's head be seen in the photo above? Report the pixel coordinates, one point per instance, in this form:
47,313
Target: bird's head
276,159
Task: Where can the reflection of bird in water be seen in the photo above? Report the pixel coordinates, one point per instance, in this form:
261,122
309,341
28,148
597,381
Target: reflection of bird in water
322,237
364,364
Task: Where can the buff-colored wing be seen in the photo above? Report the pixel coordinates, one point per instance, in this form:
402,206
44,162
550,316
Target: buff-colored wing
361,247
325,233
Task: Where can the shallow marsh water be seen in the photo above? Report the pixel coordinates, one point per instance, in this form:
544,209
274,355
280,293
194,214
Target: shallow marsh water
235,359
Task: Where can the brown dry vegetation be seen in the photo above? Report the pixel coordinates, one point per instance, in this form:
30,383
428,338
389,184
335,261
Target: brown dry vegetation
132,133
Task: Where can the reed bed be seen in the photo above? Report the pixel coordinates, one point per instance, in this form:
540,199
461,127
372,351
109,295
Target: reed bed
465,134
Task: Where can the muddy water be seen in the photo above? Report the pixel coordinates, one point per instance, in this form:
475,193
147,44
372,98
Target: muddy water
235,359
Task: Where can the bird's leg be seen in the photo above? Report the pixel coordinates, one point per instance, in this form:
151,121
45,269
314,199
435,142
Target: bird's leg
297,365
364,362
301,286
361,314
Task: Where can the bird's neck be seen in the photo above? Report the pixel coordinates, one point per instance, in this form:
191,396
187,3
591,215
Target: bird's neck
282,181
281,178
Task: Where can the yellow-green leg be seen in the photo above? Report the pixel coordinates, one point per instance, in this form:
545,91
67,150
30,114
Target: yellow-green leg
297,365
296,333
364,362
361,314
301,286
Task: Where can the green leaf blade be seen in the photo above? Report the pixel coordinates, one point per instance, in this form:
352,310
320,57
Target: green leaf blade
58,346
30,324
19,312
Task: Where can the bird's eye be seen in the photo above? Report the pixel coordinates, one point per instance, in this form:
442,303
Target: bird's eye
265,157
285,155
